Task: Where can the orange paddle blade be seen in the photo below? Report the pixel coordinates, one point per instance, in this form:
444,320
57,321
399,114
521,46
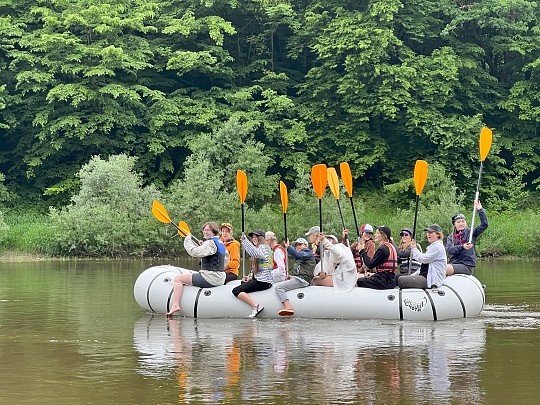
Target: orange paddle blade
346,176
486,137
420,175
183,229
160,212
242,185
284,196
319,178
333,181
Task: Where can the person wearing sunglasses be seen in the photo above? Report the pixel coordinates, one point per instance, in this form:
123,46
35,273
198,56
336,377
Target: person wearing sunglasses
406,264
434,259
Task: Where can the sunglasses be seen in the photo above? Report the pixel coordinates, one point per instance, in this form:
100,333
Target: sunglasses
405,234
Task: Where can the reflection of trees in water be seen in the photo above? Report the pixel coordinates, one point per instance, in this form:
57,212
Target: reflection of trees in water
234,361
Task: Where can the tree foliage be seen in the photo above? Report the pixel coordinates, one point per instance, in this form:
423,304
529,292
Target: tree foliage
377,83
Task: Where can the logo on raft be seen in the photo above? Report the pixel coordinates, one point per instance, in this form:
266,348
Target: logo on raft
415,306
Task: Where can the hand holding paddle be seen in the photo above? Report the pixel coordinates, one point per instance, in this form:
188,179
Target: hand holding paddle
486,138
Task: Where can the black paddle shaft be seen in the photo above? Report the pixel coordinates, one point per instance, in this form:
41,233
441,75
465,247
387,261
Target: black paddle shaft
414,231
354,216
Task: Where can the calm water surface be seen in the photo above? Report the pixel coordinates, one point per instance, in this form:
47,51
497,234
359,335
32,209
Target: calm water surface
71,333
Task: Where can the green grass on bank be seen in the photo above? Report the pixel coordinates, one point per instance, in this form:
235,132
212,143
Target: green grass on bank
509,234
29,233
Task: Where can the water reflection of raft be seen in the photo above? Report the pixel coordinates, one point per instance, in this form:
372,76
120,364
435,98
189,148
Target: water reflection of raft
460,297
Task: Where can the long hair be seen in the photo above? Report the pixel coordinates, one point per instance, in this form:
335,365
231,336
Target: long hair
254,260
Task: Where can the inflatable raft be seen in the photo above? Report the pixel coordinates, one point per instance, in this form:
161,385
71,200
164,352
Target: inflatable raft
461,296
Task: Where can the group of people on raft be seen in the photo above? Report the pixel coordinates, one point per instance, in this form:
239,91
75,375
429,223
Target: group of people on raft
374,261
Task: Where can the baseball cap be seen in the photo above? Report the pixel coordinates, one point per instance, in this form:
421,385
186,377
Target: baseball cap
367,228
313,229
433,228
257,232
384,229
300,241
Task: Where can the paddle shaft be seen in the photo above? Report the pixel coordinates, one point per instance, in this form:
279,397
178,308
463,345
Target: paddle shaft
243,250
476,195
320,227
354,216
414,231
341,214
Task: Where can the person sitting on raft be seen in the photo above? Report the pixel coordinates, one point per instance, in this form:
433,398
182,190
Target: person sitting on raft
462,253
384,261
261,271
434,258
338,266
302,273
365,239
406,264
213,256
312,234
233,247
279,255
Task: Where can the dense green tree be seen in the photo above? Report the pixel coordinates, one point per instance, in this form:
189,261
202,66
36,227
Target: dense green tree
376,83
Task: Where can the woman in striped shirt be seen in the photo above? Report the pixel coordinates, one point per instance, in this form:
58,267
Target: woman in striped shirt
261,271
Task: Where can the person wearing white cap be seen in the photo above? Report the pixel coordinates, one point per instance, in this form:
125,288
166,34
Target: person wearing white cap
366,238
339,269
302,273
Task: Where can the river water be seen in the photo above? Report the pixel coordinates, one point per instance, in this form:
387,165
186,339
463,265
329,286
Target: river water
71,333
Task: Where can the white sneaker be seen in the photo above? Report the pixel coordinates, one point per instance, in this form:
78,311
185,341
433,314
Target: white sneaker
255,312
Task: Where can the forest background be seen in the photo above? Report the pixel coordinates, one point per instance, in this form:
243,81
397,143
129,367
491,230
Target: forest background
107,105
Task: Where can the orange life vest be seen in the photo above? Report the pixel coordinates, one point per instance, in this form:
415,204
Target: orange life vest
390,265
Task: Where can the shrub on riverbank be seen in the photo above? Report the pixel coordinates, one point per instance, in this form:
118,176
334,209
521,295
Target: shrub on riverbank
111,217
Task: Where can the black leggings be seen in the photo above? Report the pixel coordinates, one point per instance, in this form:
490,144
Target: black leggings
251,286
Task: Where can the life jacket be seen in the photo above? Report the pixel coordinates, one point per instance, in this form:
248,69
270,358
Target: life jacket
390,265
275,266
215,262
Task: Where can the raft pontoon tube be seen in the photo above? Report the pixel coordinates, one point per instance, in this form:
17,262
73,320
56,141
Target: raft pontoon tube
460,296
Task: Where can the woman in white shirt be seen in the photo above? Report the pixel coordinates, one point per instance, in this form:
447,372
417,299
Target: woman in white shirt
435,258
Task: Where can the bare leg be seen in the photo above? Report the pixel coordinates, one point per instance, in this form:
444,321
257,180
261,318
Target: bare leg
247,299
179,282
286,304
449,269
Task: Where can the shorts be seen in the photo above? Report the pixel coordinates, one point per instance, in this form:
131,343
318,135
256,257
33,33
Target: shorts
198,281
462,269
